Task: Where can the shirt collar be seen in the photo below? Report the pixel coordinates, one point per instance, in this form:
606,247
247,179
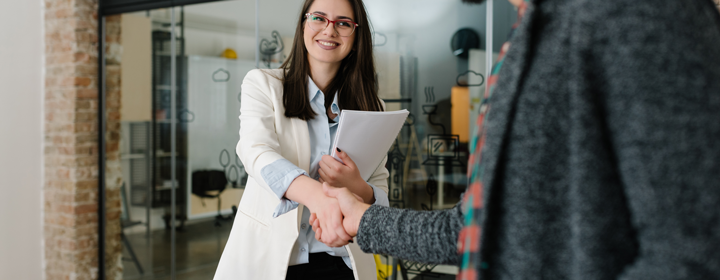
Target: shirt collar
314,92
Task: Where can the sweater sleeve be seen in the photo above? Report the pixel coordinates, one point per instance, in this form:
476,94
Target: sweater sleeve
660,90
422,236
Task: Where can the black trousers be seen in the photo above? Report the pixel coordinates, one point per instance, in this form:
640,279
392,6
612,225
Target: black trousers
321,266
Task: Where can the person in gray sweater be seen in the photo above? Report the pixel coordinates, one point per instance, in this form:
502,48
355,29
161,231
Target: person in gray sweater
602,152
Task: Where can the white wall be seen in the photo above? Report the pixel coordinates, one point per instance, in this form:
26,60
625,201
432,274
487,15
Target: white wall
21,138
136,70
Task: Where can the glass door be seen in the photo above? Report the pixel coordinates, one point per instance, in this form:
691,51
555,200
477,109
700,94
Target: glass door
171,88
172,81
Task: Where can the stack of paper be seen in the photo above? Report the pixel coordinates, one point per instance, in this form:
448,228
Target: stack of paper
367,136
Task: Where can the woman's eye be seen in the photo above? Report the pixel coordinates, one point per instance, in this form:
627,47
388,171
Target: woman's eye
343,24
318,19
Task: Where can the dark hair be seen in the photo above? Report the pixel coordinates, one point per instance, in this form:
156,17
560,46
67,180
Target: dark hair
355,82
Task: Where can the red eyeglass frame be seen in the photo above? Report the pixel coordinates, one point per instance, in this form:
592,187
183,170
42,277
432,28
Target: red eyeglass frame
355,25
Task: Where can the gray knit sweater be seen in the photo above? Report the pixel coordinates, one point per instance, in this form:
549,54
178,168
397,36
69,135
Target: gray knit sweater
602,157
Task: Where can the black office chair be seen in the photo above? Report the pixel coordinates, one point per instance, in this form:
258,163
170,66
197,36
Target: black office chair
205,183
126,222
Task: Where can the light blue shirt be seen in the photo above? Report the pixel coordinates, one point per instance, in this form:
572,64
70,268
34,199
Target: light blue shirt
279,174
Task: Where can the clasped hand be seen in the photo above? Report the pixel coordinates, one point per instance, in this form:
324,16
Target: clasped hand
338,221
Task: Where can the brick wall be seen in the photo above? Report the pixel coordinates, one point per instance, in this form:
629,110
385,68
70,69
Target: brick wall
71,143
113,171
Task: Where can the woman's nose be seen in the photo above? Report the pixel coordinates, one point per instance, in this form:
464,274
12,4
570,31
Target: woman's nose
330,30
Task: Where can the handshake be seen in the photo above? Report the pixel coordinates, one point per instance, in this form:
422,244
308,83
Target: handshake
336,224
339,204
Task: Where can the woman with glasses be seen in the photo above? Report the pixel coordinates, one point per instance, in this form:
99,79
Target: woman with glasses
288,120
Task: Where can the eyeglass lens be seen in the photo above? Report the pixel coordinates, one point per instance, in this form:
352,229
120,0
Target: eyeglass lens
343,27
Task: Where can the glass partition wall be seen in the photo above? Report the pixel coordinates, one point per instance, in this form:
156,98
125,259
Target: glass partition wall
430,58
172,78
172,85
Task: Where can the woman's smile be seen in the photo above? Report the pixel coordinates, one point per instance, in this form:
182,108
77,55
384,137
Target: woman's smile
327,45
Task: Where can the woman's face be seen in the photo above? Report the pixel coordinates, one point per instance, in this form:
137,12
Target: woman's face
326,46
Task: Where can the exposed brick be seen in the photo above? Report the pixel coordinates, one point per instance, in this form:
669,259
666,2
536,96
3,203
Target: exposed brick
70,149
91,93
82,81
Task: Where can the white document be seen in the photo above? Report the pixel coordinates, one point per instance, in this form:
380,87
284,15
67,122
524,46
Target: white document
367,136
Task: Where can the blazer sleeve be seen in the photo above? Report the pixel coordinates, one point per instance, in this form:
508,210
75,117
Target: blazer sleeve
258,145
422,236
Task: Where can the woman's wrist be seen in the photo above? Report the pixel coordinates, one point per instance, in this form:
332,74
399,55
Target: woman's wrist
364,190
371,198
369,195
306,191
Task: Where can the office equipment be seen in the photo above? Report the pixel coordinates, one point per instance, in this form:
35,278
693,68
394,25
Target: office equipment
367,136
210,184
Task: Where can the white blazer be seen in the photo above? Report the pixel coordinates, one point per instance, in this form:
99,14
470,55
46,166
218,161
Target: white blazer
259,245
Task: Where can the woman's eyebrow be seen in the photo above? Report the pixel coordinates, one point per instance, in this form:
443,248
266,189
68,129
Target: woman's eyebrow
339,17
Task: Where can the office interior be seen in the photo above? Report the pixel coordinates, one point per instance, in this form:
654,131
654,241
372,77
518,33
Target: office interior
217,40
430,59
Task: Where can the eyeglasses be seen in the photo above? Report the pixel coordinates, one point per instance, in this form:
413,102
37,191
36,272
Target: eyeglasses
343,27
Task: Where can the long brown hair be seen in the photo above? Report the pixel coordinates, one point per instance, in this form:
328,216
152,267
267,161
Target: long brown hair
355,82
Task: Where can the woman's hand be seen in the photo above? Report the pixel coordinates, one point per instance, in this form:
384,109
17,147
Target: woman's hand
310,193
346,175
352,209
330,221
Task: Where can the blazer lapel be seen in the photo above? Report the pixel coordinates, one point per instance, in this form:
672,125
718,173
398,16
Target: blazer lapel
302,142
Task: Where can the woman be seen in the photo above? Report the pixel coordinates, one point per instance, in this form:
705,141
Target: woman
288,119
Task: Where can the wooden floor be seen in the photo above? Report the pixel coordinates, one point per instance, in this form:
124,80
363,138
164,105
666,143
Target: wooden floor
198,247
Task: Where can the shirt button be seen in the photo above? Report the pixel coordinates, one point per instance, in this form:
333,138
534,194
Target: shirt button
302,249
303,226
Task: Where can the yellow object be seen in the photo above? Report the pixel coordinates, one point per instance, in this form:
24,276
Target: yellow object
460,102
229,53
383,270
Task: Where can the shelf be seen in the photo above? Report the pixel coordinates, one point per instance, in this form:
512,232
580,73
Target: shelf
142,156
167,87
168,54
165,121
132,156
163,188
164,154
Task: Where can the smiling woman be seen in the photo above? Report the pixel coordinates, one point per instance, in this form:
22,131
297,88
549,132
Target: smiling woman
323,50
288,120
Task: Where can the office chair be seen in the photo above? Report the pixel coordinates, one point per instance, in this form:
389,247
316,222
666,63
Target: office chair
205,183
